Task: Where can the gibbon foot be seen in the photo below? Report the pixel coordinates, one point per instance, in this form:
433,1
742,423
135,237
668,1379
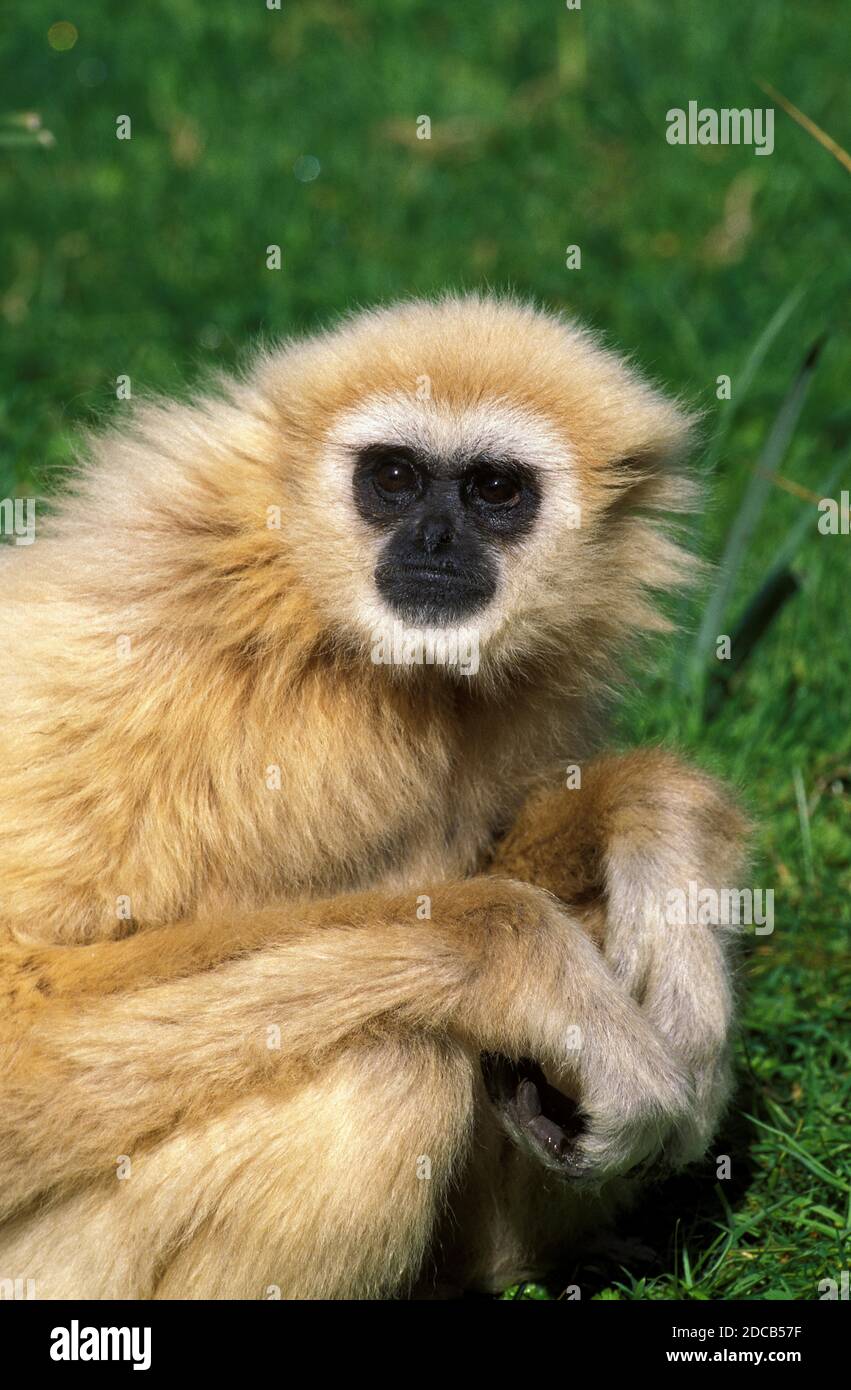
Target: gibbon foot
547,1119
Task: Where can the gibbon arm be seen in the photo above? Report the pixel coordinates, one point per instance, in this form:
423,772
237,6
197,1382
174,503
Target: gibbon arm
108,1045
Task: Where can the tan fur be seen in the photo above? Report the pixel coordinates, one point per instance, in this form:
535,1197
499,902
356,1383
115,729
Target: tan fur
142,779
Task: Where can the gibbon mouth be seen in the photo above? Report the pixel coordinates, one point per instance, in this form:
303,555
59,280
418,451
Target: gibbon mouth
433,593
546,1118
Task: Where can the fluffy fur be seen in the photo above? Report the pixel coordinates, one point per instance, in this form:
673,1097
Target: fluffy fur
216,836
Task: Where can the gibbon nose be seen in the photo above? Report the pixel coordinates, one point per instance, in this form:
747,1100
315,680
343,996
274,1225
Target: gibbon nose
435,533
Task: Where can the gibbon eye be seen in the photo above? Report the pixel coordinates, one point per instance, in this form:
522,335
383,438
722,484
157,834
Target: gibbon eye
394,476
495,488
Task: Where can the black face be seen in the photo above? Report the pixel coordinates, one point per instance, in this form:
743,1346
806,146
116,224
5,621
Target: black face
446,527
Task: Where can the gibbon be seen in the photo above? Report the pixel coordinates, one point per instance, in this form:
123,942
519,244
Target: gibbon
328,974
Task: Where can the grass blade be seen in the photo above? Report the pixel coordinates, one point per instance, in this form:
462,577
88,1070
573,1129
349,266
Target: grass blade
804,819
748,374
751,509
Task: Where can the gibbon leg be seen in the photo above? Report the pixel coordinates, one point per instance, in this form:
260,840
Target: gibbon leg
344,1202
330,1189
640,828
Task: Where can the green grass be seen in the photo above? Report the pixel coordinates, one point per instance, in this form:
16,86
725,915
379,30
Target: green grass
147,258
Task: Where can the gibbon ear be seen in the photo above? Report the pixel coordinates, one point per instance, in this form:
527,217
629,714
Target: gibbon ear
648,468
654,479
649,492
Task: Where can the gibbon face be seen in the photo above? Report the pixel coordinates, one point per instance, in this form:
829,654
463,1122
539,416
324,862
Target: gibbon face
475,462
446,522
457,504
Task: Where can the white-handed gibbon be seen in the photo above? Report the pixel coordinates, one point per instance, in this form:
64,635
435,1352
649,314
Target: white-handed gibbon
330,968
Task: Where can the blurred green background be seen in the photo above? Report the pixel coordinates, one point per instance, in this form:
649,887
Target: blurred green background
254,126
